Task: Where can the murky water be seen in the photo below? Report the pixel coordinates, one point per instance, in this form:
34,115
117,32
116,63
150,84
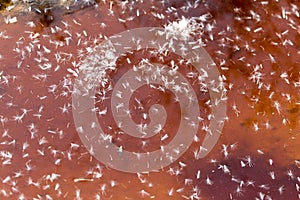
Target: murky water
255,47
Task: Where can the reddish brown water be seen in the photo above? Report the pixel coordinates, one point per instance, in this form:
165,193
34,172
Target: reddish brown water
42,154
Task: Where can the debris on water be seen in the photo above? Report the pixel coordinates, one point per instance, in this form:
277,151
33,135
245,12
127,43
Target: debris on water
44,46
17,7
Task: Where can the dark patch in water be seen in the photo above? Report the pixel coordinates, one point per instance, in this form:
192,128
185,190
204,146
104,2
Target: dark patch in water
4,4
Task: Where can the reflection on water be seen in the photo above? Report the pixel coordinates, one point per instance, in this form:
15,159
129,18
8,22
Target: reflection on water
255,47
